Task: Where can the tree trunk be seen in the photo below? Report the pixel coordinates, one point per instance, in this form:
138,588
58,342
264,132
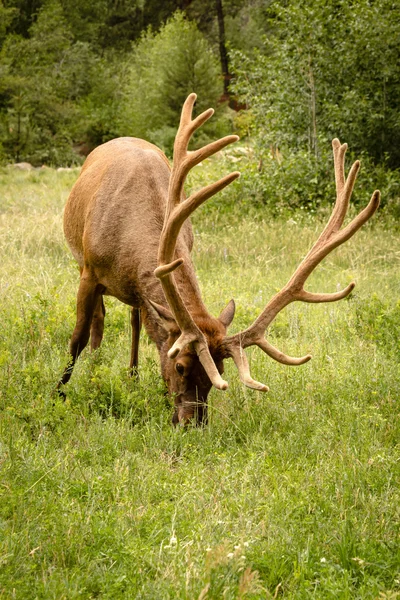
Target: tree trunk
313,114
222,48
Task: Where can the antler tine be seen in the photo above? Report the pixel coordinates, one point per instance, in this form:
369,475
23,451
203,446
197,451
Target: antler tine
339,151
178,210
280,357
344,188
331,237
324,245
184,160
242,364
179,216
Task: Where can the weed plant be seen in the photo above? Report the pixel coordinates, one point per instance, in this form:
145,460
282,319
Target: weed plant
291,494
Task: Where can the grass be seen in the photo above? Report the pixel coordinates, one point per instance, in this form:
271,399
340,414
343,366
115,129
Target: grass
290,494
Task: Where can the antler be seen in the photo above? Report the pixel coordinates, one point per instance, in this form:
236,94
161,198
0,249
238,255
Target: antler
331,237
177,211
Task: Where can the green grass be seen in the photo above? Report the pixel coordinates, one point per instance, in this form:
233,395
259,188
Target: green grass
290,494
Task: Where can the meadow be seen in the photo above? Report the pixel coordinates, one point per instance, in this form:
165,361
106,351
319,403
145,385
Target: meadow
289,494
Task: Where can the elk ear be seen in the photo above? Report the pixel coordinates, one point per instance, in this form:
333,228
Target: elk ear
165,316
226,316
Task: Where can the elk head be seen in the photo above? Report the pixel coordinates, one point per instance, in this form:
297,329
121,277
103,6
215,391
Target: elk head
187,379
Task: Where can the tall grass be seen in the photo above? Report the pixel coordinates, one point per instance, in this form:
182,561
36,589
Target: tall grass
288,494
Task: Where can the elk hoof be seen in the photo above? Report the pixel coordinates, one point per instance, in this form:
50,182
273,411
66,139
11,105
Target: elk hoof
175,419
61,394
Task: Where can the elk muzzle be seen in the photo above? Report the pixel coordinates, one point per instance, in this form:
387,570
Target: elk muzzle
190,409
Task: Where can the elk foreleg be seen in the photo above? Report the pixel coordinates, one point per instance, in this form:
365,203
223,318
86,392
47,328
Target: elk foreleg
88,297
136,327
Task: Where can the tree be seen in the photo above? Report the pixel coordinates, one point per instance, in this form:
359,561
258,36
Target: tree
210,15
325,70
45,76
323,73
163,69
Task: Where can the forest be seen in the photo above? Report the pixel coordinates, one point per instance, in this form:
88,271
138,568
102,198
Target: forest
286,76
291,493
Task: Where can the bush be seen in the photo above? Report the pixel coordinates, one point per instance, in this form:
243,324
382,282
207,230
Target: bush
285,181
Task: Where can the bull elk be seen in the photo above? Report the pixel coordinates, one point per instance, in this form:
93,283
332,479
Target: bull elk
127,224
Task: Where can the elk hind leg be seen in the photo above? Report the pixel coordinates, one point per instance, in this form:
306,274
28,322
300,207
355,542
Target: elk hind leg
87,298
136,327
97,326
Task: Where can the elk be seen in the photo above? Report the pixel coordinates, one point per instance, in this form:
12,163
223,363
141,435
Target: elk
127,224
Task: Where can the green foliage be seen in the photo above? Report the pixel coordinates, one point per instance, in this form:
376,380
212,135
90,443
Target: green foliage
104,24
6,17
37,91
321,74
287,181
163,69
304,73
67,97
378,321
48,93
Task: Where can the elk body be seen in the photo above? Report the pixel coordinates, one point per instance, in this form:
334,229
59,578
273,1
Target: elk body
126,222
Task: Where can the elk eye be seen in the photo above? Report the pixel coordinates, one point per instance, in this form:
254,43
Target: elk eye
180,368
